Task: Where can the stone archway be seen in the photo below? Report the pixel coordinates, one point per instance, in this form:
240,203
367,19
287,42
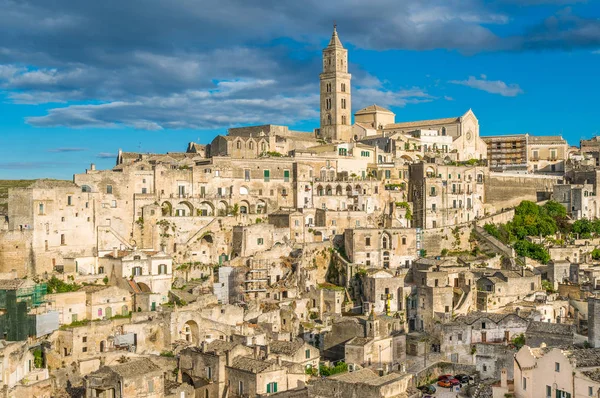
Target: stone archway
191,332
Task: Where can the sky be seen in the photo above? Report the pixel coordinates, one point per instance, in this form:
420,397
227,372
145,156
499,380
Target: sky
81,80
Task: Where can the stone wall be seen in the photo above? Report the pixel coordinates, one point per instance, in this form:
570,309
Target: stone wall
437,239
503,190
439,368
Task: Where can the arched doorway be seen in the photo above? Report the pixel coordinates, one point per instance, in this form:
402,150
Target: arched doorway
191,332
108,312
102,346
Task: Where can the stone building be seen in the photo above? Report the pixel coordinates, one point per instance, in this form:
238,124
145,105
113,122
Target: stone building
446,195
384,293
498,288
363,383
550,334
137,378
388,248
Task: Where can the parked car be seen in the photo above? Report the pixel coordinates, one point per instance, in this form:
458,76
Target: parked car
444,383
463,378
448,378
427,389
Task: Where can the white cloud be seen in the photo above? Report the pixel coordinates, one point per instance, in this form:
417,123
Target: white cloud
491,86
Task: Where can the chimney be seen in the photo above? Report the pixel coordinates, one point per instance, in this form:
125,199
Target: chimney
115,252
256,352
204,347
517,311
228,358
504,378
92,167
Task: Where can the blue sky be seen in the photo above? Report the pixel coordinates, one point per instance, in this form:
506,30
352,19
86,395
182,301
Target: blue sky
80,80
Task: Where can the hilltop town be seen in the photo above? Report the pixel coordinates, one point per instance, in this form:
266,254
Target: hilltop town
370,257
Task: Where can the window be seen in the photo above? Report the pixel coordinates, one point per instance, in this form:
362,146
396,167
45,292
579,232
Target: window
483,325
84,349
460,337
69,200
84,339
208,372
548,392
286,175
144,190
343,87
344,119
150,386
367,241
251,145
41,208
247,174
62,239
100,312
556,367
271,387
113,204
524,384
307,353
240,387
388,174
136,271
259,241
403,240
343,103
162,269
266,175
590,391
109,189
238,145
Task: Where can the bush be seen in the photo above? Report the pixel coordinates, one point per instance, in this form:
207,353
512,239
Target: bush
55,285
341,367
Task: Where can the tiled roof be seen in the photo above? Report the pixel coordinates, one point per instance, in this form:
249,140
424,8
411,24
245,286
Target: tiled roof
552,328
220,346
11,284
252,365
593,374
286,347
139,367
359,376
423,123
360,341
372,108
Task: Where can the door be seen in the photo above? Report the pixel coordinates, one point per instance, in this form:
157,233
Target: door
483,337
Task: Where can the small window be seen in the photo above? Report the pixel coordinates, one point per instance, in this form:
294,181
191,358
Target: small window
84,349
69,200
109,189
150,386
548,392
41,209
367,241
259,241
84,339
556,367
62,239
590,391
266,175
307,353
524,384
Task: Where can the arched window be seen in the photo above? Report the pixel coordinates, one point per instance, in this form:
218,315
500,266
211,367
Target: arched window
343,103
443,130
328,103
328,119
343,87
251,145
238,145
100,270
162,269
344,119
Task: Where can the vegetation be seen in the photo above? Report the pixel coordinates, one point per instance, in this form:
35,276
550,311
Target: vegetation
38,358
273,154
55,285
586,229
168,354
548,287
519,341
531,220
596,254
75,324
405,205
341,367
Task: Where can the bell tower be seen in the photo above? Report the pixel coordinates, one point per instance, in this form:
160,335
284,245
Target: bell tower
336,104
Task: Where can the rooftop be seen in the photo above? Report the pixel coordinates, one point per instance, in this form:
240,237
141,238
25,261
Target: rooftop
286,347
252,365
373,108
552,328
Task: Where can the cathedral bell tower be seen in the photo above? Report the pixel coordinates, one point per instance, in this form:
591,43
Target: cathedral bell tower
336,104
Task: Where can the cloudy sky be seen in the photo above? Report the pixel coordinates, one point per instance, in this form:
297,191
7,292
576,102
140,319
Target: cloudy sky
81,79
